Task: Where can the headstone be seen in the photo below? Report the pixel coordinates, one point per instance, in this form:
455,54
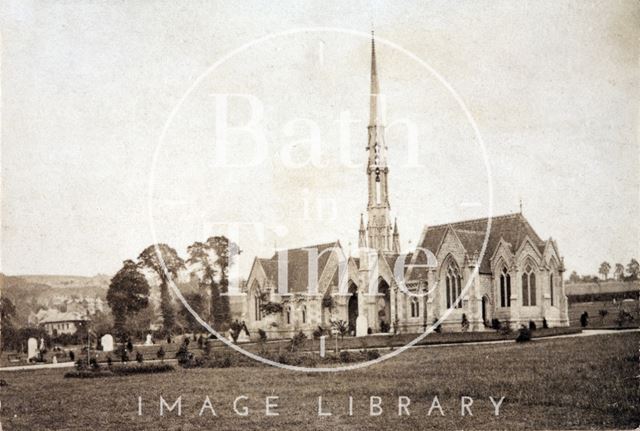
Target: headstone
32,348
107,343
361,326
55,359
322,346
148,341
42,346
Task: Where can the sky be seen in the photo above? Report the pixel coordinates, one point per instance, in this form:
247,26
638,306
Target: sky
111,130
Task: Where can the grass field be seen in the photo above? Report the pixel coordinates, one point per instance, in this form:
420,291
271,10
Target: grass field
571,383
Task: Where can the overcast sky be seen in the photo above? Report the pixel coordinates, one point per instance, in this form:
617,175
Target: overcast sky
88,88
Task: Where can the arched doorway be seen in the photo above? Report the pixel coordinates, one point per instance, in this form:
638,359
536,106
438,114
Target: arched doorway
352,307
384,306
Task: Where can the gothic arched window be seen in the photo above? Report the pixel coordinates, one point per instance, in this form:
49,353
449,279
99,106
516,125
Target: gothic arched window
288,313
304,314
528,287
453,282
415,307
551,287
505,288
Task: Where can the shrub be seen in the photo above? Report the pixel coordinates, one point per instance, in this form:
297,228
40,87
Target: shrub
93,363
235,329
81,364
109,361
160,354
624,317
372,354
341,326
87,374
505,328
142,369
139,357
262,334
524,335
319,332
465,323
532,325
183,355
545,325
297,341
603,313
438,328
345,356
495,324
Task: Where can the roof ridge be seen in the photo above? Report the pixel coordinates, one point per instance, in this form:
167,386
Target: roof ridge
503,216
275,255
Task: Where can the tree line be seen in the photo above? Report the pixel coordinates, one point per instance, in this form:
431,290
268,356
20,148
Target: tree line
208,262
621,273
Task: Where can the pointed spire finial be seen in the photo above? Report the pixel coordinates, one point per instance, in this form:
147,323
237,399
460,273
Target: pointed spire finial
520,205
375,90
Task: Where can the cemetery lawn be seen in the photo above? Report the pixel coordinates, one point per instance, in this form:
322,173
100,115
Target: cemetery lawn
571,383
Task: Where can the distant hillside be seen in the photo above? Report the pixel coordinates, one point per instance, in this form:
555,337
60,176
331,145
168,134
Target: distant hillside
31,292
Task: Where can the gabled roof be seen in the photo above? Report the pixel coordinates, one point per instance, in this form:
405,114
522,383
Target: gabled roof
55,316
297,265
513,228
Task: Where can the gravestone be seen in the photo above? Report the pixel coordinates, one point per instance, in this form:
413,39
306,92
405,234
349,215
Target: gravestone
107,343
322,345
148,341
32,348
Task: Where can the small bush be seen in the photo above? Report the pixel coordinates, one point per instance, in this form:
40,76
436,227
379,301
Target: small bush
372,354
524,335
262,334
345,356
182,355
128,370
495,324
532,325
93,363
297,341
139,358
545,325
319,332
160,354
87,374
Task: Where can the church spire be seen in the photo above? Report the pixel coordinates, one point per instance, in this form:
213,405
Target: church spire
375,88
379,231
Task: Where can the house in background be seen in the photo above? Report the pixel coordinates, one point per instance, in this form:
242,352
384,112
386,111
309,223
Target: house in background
58,323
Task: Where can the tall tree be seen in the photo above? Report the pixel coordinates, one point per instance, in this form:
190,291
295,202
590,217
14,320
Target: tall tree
128,293
197,303
605,267
618,272
166,264
7,315
633,269
212,259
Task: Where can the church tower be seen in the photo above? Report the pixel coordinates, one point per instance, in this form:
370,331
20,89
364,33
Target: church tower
380,233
